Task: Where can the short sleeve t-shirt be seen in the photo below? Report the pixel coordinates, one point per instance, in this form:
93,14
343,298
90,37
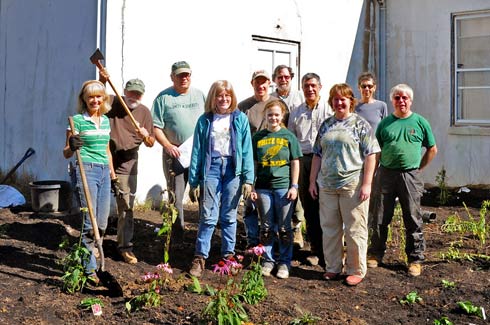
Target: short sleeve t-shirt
273,152
95,139
402,139
373,112
176,114
343,146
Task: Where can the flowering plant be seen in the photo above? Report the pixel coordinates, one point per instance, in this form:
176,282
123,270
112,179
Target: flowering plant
252,286
225,305
157,281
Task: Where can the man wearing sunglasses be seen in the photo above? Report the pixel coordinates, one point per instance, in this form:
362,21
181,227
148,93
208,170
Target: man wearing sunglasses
401,137
373,111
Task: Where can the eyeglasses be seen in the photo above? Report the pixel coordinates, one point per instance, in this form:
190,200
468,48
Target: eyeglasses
227,96
397,98
369,86
284,77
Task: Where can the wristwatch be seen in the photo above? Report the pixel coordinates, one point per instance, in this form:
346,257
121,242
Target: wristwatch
295,186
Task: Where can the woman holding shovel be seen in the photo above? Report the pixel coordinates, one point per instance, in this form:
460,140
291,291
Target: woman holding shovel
90,133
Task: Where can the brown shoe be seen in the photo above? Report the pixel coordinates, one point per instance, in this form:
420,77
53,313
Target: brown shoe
414,269
197,266
129,257
313,260
373,262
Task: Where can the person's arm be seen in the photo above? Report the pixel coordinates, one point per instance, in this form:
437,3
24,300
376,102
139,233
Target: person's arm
293,190
429,154
171,149
111,166
367,179
67,153
315,169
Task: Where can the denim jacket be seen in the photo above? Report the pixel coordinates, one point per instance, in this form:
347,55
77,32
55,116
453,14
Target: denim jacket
241,148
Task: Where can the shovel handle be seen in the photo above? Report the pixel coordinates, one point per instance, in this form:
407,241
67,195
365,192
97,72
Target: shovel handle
28,153
88,199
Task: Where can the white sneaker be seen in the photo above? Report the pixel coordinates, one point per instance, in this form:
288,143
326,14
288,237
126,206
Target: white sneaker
267,269
282,271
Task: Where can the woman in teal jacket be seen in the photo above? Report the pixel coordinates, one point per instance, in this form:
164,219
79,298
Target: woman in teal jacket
221,169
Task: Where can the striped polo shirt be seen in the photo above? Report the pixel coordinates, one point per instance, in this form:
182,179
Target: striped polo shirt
95,139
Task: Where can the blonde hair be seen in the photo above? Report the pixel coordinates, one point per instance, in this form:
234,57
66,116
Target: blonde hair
93,88
282,106
216,88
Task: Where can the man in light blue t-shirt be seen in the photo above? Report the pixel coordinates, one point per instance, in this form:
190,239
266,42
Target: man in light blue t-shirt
175,112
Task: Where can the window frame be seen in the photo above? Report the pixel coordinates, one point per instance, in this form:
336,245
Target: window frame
457,71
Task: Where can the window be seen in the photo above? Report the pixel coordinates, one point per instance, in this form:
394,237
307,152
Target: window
471,69
272,52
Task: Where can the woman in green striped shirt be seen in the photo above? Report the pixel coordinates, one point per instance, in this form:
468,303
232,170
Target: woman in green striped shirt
91,136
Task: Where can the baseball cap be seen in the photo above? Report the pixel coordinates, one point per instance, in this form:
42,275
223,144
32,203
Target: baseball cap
181,67
260,73
136,85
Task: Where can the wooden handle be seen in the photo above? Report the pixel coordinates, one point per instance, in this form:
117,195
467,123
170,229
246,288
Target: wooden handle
121,100
88,198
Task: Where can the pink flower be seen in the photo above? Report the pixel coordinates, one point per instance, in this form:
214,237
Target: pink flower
148,277
239,258
259,250
165,267
232,263
221,268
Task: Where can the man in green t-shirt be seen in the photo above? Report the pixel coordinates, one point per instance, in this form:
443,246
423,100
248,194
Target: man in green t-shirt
401,137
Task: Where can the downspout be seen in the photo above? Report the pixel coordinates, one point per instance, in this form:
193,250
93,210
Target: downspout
382,51
102,25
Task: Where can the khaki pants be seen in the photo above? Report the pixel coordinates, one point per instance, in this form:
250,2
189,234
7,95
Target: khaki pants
125,204
343,214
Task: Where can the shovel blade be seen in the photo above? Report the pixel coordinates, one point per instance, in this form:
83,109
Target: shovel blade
110,282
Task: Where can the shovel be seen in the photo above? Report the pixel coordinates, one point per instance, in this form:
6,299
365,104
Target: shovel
28,153
105,277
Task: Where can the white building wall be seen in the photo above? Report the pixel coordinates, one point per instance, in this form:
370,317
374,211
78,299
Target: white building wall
145,37
419,54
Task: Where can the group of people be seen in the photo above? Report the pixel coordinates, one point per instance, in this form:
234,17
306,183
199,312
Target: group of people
338,165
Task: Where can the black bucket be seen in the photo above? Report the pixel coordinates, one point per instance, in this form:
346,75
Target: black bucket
50,196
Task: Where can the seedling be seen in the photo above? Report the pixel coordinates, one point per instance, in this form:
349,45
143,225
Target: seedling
88,302
468,308
411,298
444,195
448,284
443,321
306,318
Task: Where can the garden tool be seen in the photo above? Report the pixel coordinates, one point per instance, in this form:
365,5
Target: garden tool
95,59
28,153
105,277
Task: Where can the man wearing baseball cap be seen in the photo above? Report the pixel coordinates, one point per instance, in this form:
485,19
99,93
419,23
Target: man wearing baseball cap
125,142
175,112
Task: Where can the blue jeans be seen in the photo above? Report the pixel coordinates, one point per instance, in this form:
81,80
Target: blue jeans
275,211
99,186
219,198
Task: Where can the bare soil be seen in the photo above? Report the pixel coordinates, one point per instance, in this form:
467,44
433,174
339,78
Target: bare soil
30,285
